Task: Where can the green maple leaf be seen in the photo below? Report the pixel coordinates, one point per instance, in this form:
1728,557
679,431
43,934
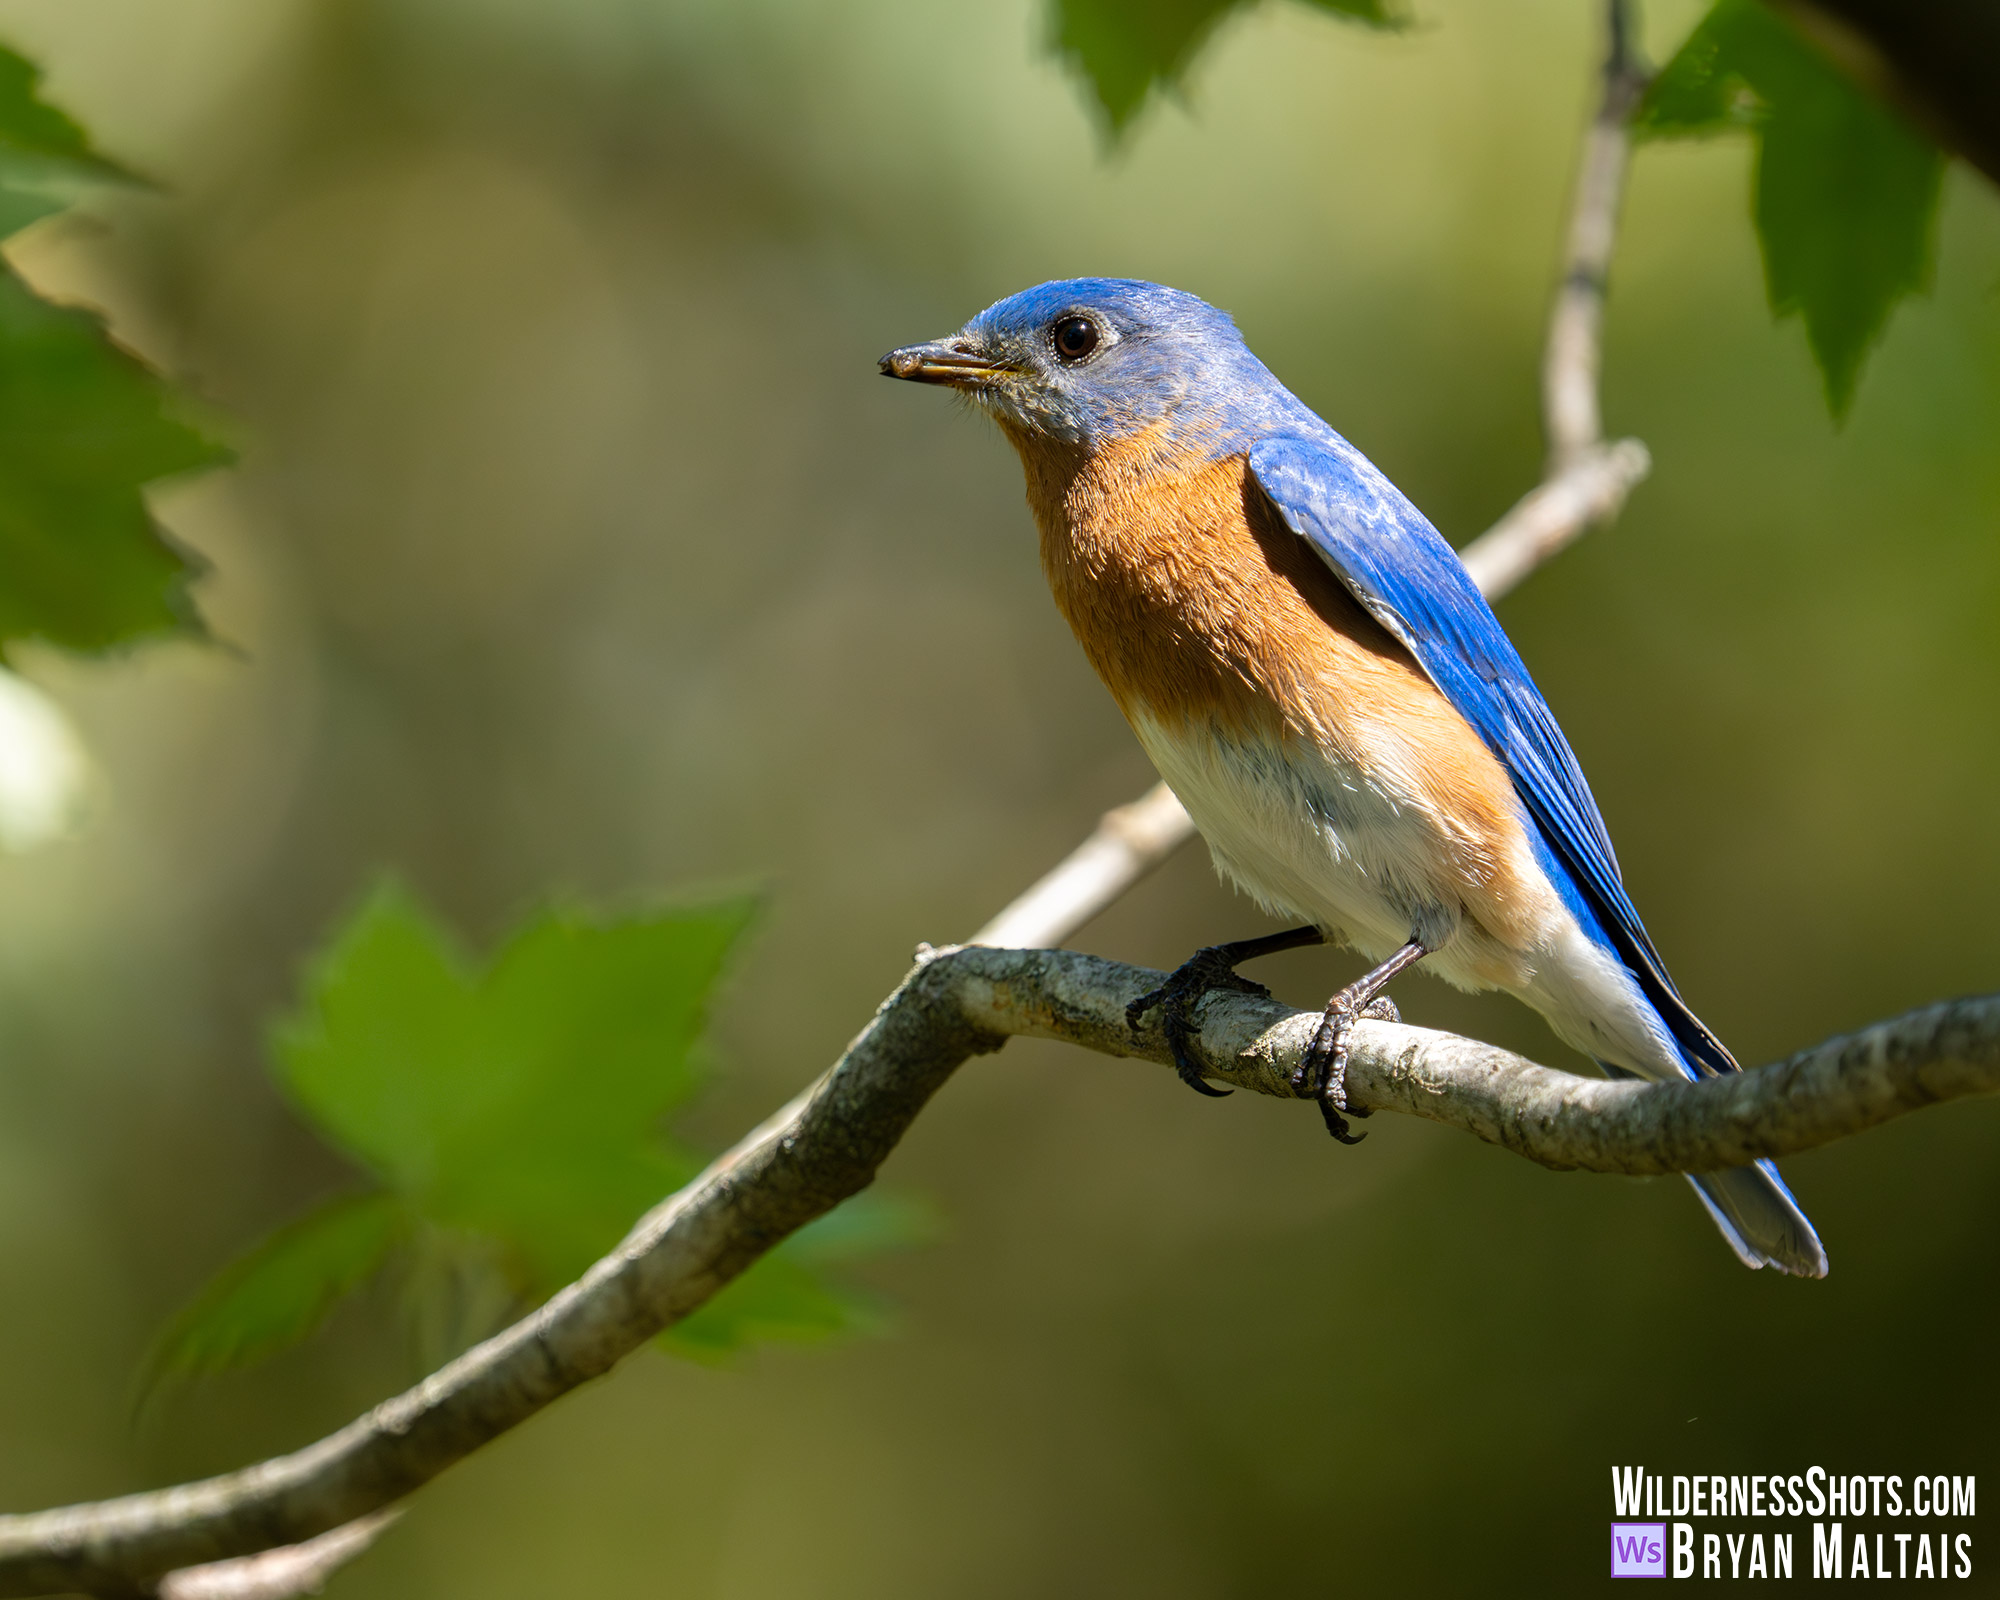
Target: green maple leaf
518,1103
1846,193
521,1100
83,425
1126,50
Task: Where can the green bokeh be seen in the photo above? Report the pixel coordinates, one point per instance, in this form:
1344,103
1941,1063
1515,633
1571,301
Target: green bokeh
577,547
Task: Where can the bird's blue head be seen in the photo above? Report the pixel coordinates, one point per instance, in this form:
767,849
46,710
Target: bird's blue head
1091,361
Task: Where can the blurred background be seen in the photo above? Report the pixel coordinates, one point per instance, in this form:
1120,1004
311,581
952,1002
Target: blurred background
577,547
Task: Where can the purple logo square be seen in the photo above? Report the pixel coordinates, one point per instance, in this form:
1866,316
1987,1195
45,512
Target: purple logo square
1638,1549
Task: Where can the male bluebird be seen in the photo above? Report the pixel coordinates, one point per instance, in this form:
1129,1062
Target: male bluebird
1312,670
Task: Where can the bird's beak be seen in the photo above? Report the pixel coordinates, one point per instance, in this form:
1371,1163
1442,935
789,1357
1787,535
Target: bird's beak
948,361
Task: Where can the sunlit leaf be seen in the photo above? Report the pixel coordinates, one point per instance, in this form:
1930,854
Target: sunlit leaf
282,1290
510,1113
1846,192
522,1099
1124,50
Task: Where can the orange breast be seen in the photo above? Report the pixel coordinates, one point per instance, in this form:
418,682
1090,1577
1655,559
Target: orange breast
1200,609
1194,600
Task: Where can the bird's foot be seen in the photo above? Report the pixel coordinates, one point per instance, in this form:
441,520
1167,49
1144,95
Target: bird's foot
1177,998
1322,1073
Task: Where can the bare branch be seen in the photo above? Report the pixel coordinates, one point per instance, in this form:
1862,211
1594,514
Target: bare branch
281,1574
779,1178
1553,515
956,1004
1570,418
1585,485
1129,842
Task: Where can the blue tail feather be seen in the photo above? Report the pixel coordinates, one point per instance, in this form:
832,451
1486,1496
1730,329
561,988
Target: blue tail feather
1758,1217
1761,1220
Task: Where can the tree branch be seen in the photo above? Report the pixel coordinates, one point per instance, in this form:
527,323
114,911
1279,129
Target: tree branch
1570,418
1129,841
280,1574
956,1004
1584,485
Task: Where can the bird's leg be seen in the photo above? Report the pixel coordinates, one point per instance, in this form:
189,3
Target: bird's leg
1210,968
1322,1074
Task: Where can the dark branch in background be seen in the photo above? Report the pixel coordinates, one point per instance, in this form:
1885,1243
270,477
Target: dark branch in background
1937,61
954,1005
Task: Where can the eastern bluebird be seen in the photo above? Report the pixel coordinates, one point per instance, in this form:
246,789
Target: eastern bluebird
1312,670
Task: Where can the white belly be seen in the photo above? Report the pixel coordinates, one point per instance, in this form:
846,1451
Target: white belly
1366,858
1309,838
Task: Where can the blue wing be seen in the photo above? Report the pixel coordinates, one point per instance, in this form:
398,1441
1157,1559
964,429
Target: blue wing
1401,570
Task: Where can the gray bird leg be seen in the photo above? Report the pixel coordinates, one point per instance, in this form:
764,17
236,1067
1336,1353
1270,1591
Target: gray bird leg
1211,968
1322,1074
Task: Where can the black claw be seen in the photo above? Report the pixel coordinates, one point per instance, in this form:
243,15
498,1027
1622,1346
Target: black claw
1324,1064
1322,1073
1191,1076
1178,996
1139,1007
1336,1124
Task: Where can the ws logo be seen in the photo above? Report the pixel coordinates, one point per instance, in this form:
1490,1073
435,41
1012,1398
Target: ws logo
1638,1549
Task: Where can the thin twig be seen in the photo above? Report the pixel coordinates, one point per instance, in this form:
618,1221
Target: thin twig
1570,356
1128,843
281,1574
1584,485
956,1004
1554,514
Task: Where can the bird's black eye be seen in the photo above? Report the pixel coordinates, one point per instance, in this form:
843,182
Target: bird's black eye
1075,338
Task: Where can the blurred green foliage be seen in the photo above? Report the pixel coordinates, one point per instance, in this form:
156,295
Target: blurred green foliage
516,1106
1846,192
83,425
1125,50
